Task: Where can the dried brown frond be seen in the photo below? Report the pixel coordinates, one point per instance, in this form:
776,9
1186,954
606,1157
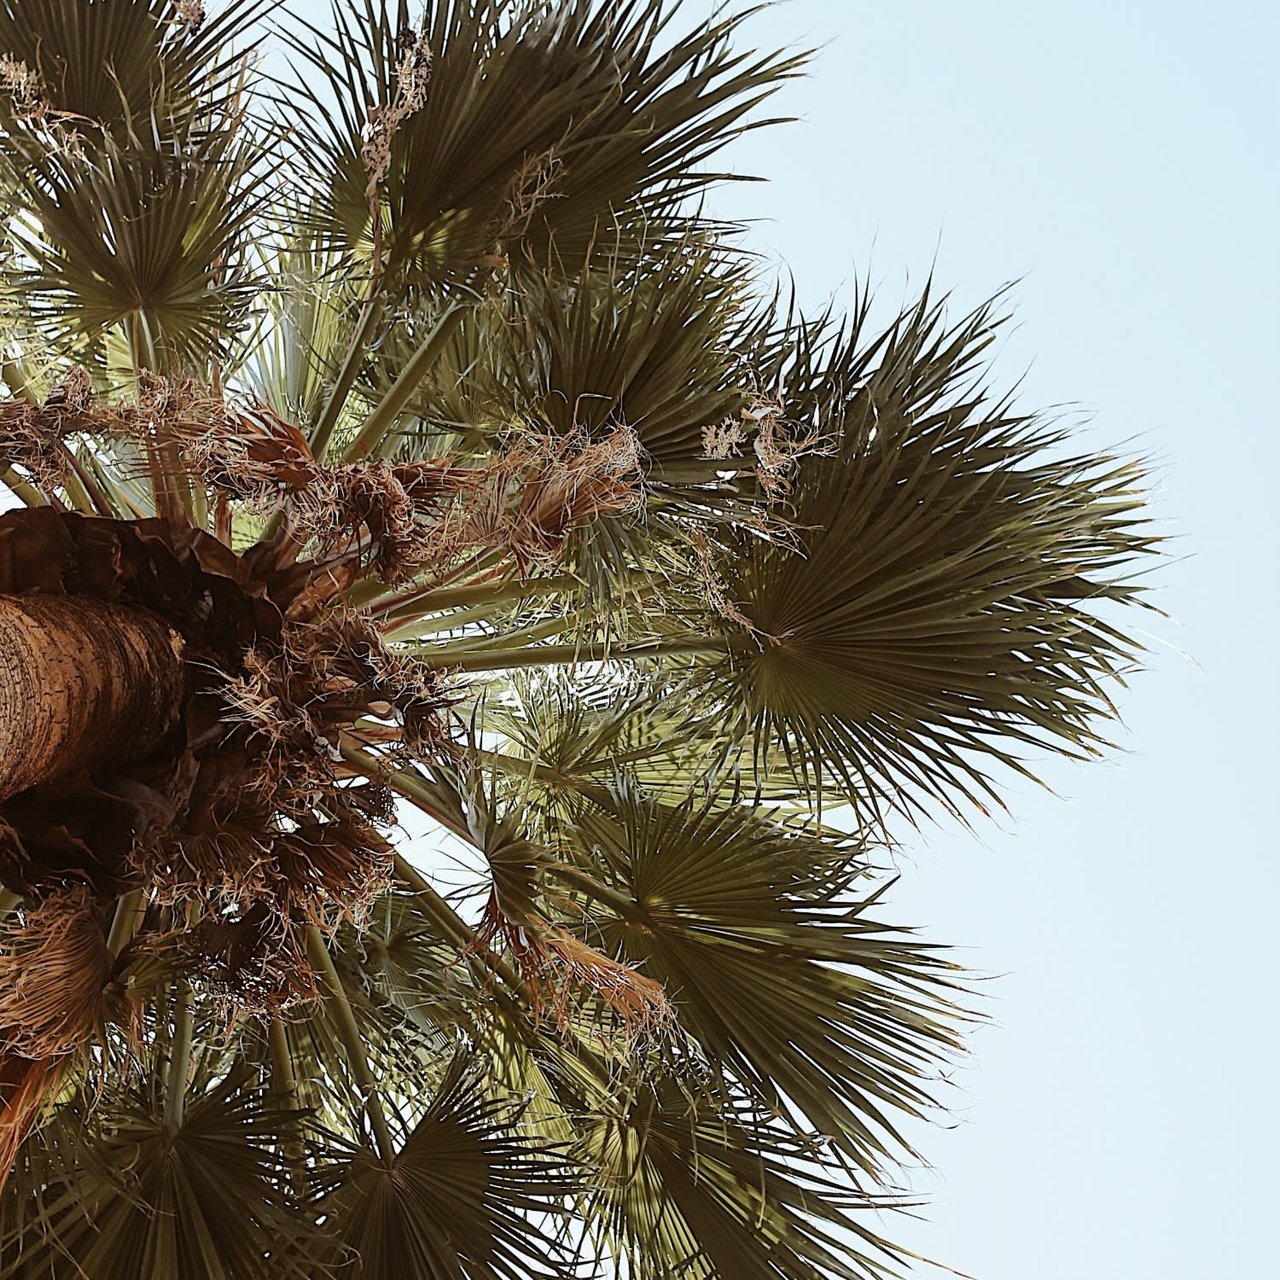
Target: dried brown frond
372,801
328,870
54,967
161,397
565,481
364,677
257,880
266,698
704,563
25,91
249,858
533,185
29,104
188,14
340,501
73,394
249,453
780,445
291,705
253,456
220,865
575,968
430,481
31,436
26,1086
290,750
723,439
26,442
402,518
563,971
253,962
413,75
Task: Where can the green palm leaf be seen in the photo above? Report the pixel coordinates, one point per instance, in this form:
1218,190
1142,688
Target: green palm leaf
127,1196
785,979
543,122
456,1200
106,66
952,595
698,1187
131,174
145,235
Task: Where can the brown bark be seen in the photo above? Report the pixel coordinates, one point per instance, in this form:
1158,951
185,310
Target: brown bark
83,684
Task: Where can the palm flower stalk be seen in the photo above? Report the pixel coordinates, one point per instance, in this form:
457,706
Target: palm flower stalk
400,434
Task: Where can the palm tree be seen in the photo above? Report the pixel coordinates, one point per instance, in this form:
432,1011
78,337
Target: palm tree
402,434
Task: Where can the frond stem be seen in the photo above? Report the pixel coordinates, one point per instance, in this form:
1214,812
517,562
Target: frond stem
284,1084
179,1062
474,643
329,415
593,888
129,909
352,1041
560,655
434,598
373,432
22,489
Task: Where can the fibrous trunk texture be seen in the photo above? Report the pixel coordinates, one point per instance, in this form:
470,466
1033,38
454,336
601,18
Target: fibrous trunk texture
83,682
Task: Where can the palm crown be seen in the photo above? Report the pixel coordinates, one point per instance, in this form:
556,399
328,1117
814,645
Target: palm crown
402,432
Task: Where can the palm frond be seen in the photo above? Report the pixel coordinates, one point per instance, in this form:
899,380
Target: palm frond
542,124
456,1201
697,1186
105,67
778,968
146,233
110,1192
127,163
949,606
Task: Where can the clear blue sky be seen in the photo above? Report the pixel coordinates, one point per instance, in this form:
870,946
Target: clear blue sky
1119,161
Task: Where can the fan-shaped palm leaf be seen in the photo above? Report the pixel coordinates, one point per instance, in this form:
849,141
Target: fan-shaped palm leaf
455,1201
951,595
106,66
695,1185
543,122
103,248
131,1196
786,981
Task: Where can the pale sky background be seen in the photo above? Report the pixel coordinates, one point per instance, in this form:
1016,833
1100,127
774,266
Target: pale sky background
1118,160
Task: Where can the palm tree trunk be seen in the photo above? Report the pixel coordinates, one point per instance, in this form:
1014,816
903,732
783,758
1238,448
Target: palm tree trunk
83,683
